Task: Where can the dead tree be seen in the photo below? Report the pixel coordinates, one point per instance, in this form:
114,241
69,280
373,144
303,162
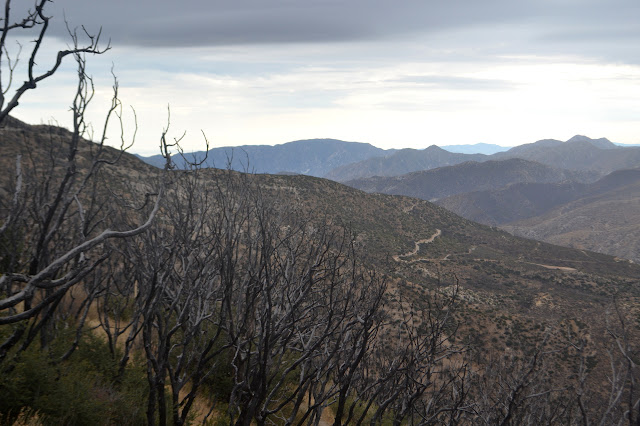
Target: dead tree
36,20
619,404
58,213
226,276
306,315
178,300
420,374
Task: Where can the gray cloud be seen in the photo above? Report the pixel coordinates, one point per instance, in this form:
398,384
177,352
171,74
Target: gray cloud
594,28
200,22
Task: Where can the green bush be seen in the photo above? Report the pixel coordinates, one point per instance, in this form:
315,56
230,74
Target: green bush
80,390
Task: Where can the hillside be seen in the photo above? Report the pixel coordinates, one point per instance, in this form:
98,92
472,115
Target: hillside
467,177
240,251
524,200
578,153
37,144
604,219
388,227
313,157
599,216
513,202
529,279
401,162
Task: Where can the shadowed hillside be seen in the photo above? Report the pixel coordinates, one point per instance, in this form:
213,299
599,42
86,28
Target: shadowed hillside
600,216
401,162
467,177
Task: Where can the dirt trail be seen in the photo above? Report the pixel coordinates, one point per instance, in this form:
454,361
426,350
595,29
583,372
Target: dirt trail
417,247
559,268
410,208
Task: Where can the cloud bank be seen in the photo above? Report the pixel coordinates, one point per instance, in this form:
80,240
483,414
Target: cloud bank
391,73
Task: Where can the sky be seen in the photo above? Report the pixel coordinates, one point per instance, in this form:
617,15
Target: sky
395,74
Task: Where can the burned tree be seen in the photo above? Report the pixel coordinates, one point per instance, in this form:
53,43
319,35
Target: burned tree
55,228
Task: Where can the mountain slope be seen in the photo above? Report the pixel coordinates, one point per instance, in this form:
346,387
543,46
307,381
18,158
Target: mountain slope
422,246
513,202
410,239
600,216
401,162
314,157
578,153
466,177
509,290
603,219
524,200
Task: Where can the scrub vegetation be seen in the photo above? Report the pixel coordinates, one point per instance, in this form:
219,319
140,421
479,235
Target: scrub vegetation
131,294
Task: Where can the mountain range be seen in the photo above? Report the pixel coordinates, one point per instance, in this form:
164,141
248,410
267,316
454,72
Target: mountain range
578,153
578,206
539,190
318,157
343,161
313,157
511,290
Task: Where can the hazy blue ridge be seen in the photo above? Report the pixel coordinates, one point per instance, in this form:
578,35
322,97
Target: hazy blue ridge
343,161
314,157
478,148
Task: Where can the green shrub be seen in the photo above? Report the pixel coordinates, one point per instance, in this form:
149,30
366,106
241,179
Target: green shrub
80,390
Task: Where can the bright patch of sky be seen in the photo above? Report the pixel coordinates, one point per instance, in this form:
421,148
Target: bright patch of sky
506,75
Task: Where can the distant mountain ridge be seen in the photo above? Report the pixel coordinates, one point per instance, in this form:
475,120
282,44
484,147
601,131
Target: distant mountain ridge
478,148
583,193
313,157
580,153
345,161
401,162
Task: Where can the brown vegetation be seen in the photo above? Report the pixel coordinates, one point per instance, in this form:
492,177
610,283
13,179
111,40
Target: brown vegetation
275,299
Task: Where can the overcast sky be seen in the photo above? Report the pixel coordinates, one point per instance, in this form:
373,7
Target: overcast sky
392,73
